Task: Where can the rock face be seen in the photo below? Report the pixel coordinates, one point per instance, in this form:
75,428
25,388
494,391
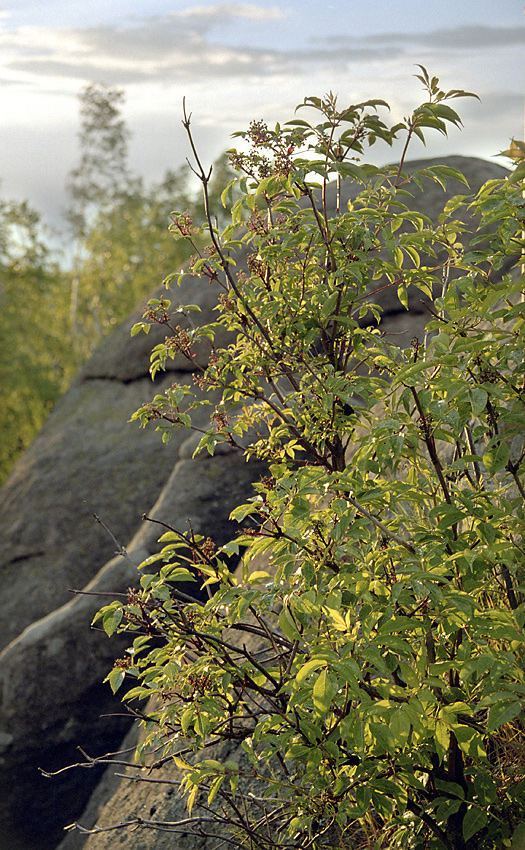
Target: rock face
87,460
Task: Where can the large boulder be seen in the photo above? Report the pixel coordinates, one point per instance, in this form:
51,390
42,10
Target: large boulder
87,460
50,677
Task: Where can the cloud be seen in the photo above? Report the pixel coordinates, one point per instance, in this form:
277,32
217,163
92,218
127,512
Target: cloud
230,11
179,46
467,38
170,48
449,39
173,45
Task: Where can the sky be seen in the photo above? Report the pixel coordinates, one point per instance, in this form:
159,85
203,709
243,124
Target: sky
237,61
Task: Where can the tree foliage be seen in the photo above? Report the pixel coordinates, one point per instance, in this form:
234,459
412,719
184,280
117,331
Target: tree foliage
383,576
382,580
118,226
102,175
33,350
122,250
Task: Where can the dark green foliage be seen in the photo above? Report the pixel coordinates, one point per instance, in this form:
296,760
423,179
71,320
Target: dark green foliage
369,653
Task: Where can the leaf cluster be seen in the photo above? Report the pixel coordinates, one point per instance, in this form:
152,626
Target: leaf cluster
368,652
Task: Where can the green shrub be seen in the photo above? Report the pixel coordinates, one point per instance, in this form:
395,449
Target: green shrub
369,651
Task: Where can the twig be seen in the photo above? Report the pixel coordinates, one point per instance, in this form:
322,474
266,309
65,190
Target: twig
378,523
121,550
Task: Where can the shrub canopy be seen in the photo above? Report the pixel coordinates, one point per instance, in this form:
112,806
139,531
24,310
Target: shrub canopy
368,652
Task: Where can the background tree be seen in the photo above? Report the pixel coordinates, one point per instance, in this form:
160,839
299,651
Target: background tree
102,176
97,185
33,330
122,251
123,245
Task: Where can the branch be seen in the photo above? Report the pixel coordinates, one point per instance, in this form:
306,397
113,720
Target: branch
393,536
431,446
432,825
121,550
205,179
161,826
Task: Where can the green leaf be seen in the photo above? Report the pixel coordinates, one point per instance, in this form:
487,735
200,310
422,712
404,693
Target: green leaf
288,626
349,169
518,174
470,741
115,678
215,787
442,739
399,728
518,838
308,668
181,574
479,399
258,575
187,717
474,820
181,763
191,799
403,295
447,515
500,714
242,511
446,170
496,458
329,306
323,692
409,675
112,619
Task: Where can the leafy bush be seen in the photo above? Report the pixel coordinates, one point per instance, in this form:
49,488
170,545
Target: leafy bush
368,653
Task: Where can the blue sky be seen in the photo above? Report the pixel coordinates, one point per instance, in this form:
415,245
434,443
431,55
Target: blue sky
240,60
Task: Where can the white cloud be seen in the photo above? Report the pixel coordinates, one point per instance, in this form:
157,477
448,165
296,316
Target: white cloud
229,11
452,39
178,46
172,46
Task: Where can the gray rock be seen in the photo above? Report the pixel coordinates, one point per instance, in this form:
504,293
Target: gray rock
87,458
124,358
57,663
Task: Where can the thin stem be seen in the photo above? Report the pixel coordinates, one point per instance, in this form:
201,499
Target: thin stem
387,531
121,550
431,446
432,825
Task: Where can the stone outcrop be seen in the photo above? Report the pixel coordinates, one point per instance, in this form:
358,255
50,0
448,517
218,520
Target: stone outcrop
87,460
52,697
